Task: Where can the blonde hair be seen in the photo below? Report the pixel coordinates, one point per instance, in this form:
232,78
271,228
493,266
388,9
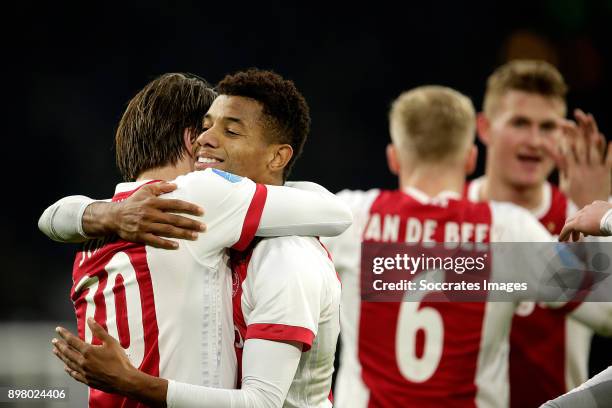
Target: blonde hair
432,123
533,76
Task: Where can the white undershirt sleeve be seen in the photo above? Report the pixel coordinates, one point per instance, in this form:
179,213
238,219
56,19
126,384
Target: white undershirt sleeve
62,221
606,223
268,368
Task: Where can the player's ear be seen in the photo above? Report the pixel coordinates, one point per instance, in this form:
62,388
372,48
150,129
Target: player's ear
392,159
189,138
281,154
483,126
471,160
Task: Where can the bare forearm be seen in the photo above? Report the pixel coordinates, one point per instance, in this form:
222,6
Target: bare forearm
99,220
145,388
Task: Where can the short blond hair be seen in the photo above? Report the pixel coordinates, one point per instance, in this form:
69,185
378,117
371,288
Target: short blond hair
432,123
533,76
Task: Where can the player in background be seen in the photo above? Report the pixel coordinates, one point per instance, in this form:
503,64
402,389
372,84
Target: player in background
172,310
286,292
424,354
521,124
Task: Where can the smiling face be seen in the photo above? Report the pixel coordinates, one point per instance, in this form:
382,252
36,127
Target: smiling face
517,131
234,140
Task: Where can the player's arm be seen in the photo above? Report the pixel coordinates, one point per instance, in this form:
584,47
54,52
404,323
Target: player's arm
595,393
306,209
143,217
237,209
107,367
596,315
264,385
594,219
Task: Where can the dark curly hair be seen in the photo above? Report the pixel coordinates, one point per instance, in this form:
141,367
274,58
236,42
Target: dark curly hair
286,109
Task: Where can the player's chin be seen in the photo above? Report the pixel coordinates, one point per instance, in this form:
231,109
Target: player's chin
530,180
531,175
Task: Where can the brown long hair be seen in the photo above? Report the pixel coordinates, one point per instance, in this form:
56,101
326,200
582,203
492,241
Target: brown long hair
150,132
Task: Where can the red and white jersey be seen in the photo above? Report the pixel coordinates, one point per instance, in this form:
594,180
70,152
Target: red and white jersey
424,354
549,350
286,289
171,310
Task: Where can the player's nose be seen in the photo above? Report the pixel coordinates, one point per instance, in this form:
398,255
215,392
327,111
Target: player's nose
208,139
534,137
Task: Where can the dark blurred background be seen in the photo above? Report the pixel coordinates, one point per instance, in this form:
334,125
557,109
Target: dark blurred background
68,72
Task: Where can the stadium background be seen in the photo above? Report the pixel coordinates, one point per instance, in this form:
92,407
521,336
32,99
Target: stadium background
68,73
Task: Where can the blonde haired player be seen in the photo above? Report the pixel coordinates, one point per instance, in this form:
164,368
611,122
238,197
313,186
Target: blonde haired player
461,360
521,126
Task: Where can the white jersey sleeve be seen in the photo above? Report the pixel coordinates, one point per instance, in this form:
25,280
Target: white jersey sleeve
271,210
264,385
286,291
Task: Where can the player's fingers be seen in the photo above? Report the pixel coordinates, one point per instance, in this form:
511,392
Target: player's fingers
593,123
582,119
568,141
155,241
601,146
66,360
575,236
160,188
578,150
180,221
98,331
76,375
592,139
609,156
563,161
565,232
593,153
66,353
72,340
170,231
179,206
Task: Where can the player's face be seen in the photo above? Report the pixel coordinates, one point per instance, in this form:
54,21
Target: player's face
519,129
233,139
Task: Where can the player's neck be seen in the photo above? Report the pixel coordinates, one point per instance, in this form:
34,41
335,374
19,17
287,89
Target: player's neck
165,173
432,179
527,197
